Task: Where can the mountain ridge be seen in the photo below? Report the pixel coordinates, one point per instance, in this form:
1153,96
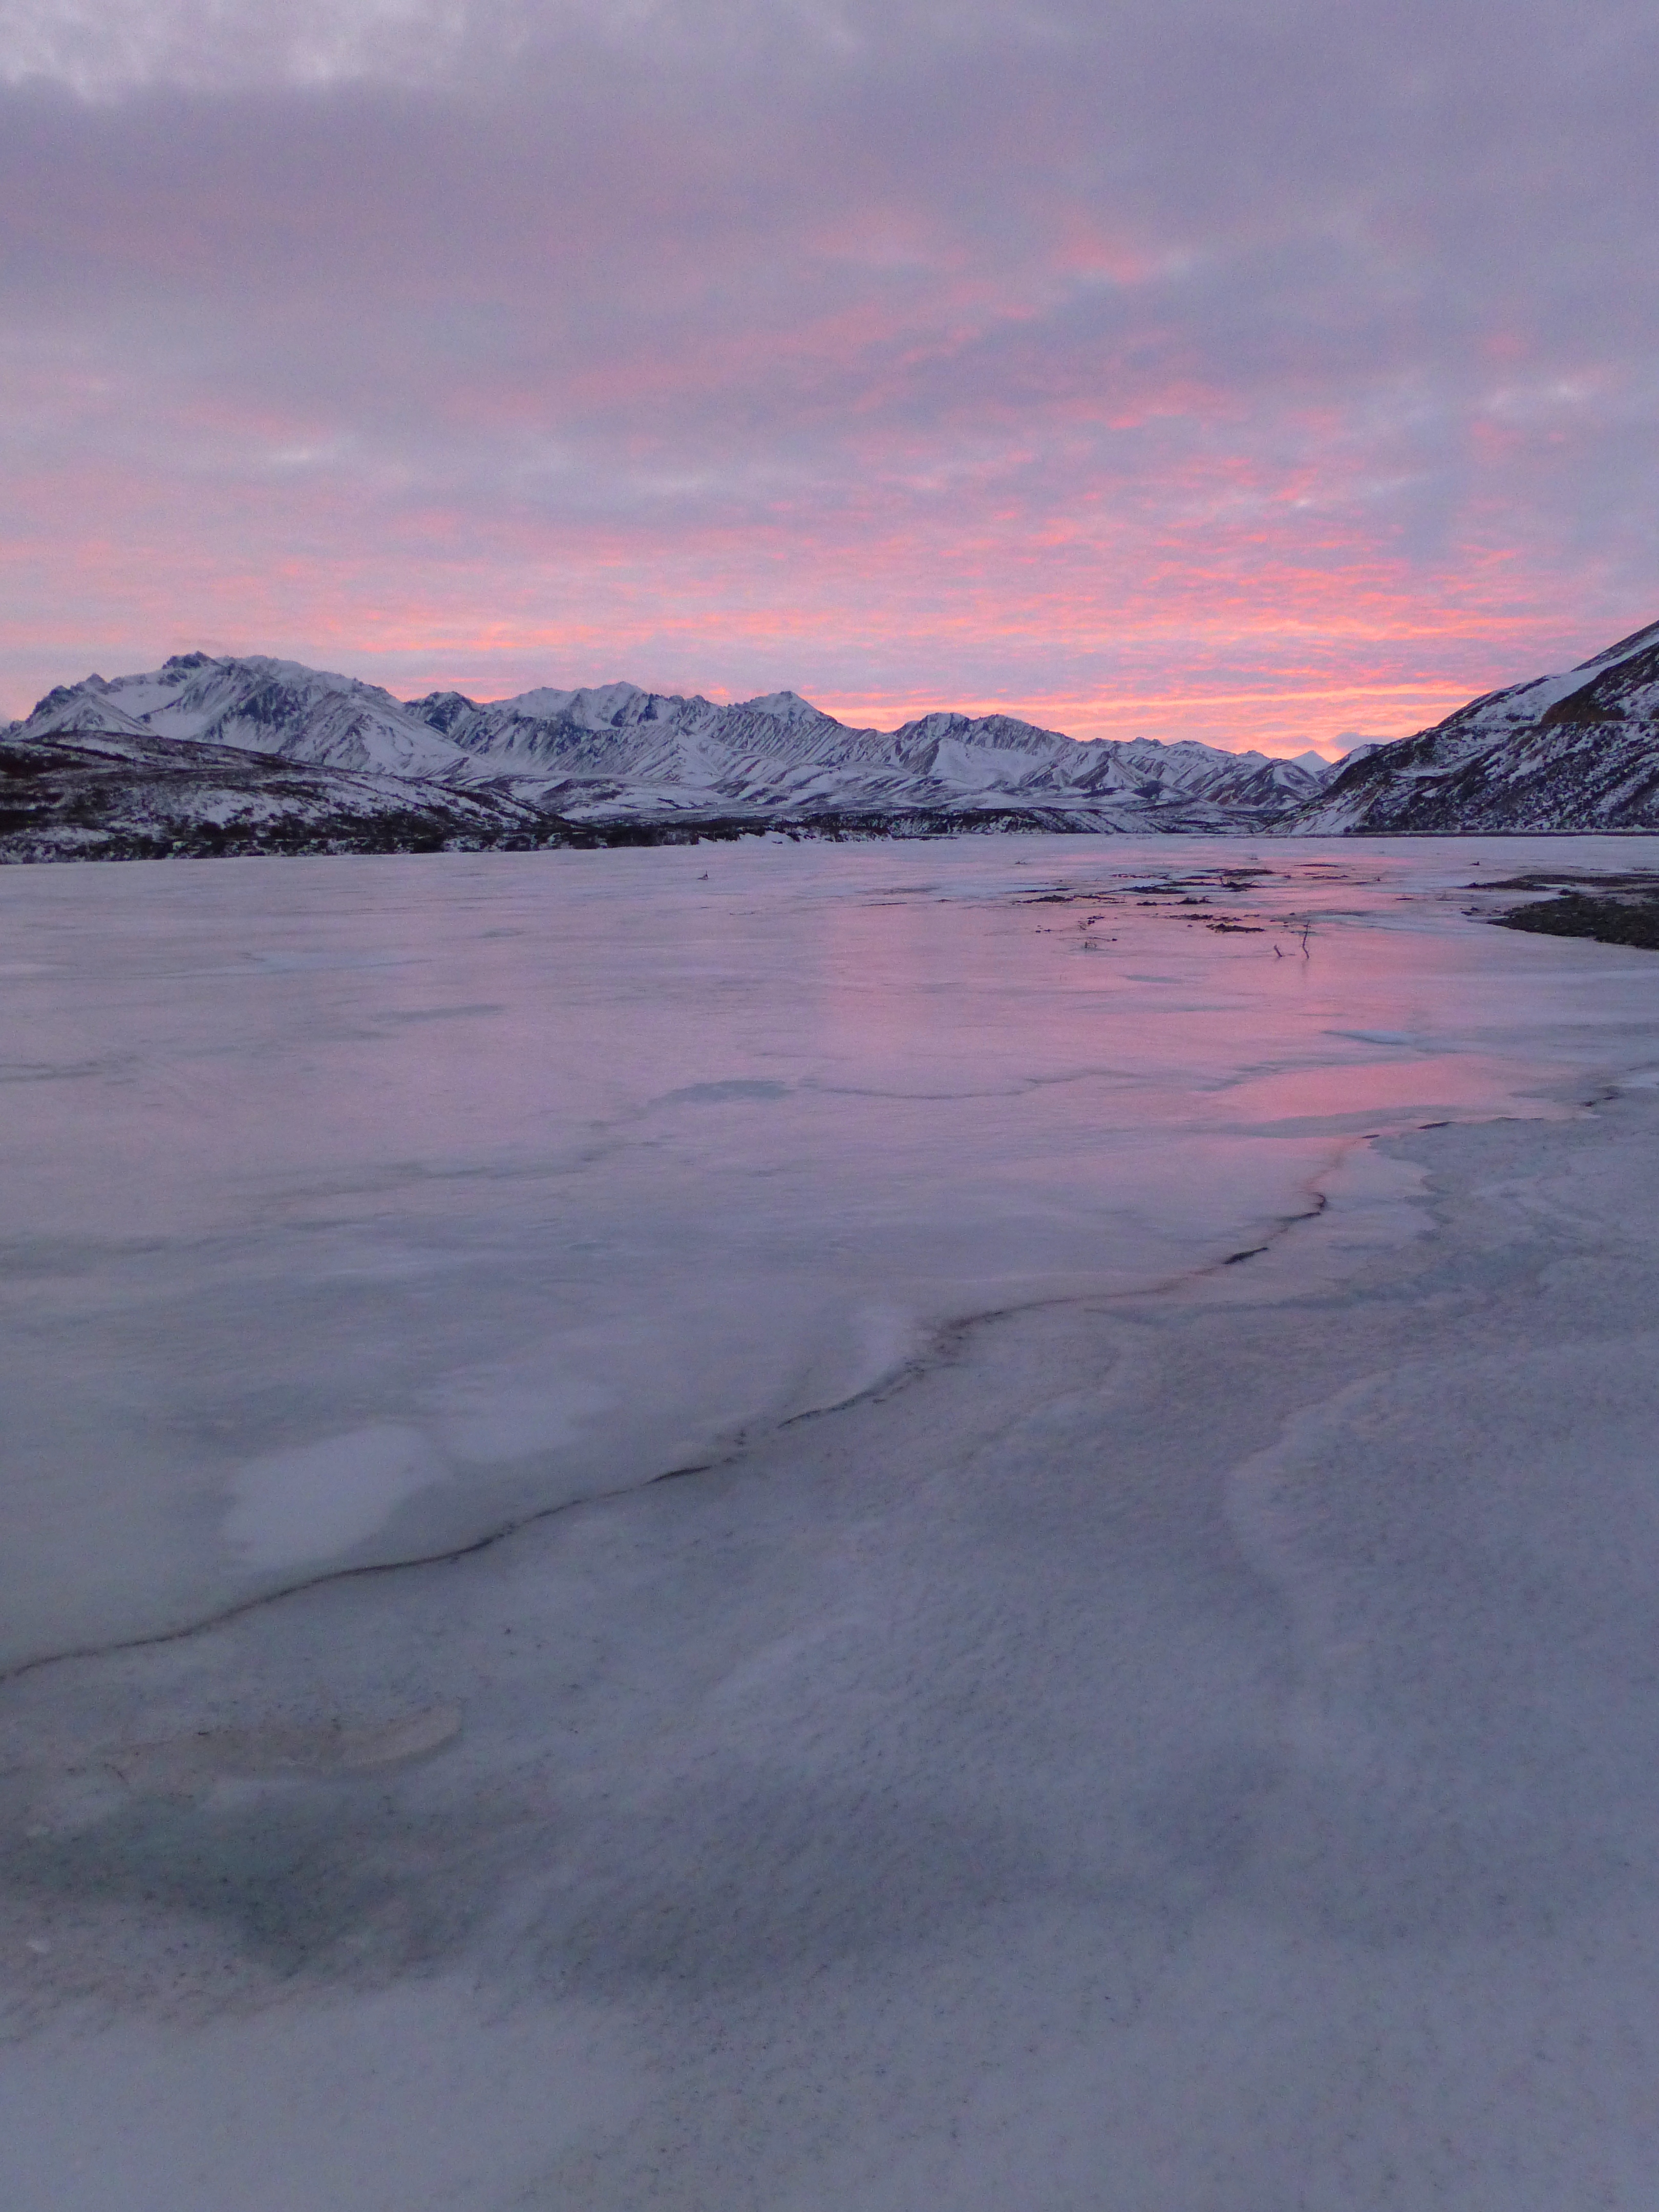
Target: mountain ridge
1578,751
615,753
197,752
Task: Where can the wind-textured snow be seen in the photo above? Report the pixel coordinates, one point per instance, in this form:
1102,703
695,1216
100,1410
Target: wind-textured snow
1099,1720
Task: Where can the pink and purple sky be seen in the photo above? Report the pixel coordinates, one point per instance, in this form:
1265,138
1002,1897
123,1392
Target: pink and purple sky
1270,372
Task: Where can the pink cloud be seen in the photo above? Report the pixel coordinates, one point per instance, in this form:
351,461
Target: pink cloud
1066,379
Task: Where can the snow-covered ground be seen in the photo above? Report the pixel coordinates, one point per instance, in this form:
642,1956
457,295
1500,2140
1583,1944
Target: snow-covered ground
1162,1734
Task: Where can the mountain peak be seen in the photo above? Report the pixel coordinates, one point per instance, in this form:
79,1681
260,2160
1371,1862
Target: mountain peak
786,707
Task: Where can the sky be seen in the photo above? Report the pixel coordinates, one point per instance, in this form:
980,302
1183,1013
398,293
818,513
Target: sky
1269,372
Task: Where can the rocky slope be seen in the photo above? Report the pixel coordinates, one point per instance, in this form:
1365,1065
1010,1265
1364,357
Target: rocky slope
1578,752
75,794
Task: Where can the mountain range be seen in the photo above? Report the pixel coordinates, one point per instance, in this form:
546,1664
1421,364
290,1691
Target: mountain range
207,755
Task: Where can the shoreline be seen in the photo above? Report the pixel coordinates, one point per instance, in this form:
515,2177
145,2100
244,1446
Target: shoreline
673,833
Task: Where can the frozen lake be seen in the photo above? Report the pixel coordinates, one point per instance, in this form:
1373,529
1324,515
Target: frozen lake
358,1209
355,1208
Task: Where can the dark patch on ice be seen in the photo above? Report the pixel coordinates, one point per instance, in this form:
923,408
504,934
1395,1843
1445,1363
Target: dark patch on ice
746,1879
707,1886
1645,880
719,1094
337,1879
1629,920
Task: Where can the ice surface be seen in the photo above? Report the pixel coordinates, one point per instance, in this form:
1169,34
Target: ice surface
323,1498
1190,1747
636,1154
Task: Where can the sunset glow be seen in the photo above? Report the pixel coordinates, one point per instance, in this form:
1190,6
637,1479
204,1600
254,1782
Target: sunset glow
905,367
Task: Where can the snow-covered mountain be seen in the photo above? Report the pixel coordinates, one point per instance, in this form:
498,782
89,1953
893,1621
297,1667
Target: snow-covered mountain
169,760
615,755
620,751
257,705
1575,751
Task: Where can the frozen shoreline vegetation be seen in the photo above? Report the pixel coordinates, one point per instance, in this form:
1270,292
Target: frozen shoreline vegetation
1107,1723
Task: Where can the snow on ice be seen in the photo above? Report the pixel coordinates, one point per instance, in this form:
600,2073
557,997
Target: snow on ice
1102,1724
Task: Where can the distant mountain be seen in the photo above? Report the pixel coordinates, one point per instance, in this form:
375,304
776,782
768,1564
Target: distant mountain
255,753
619,761
259,706
619,750
1576,751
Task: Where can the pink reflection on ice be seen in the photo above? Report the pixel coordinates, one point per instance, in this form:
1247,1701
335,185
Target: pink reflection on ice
652,1149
